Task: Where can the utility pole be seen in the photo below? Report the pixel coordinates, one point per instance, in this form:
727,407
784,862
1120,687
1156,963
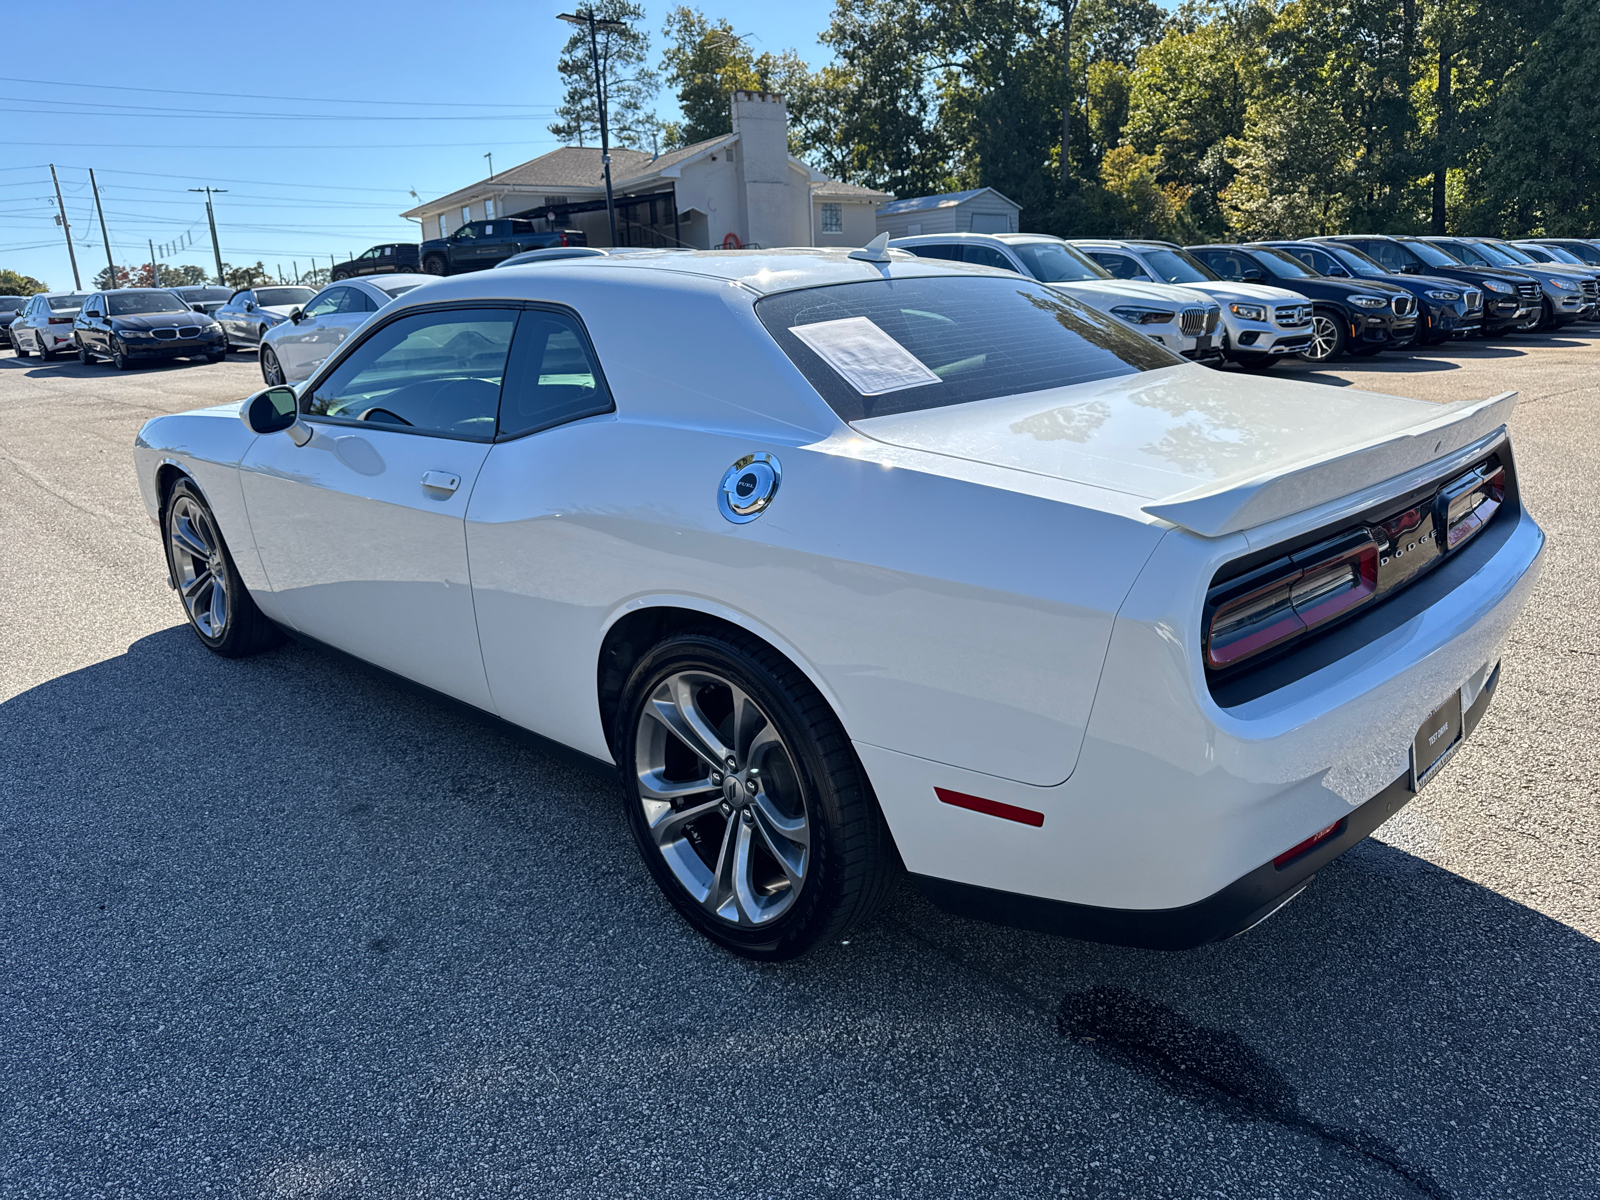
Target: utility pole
77,284
104,236
596,25
155,266
211,219
296,267
490,157
280,272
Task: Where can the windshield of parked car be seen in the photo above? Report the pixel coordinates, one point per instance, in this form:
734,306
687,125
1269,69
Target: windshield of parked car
274,296
134,303
394,289
1434,256
1054,262
196,294
905,345
1354,261
1557,253
1177,266
1284,264
1511,253
1588,255
11,303
65,304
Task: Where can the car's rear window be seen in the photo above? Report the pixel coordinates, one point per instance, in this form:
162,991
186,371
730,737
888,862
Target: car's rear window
269,297
947,340
394,289
65,303
11,303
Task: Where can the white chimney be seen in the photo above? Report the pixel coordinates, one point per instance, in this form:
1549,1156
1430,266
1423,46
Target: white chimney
762,123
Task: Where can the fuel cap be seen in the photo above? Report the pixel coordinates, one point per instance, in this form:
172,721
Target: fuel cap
748,487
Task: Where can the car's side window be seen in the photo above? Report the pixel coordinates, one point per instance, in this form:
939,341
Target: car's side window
431,372
1120,265
1320,263
986,256
465,234
326,303
1220,261
944,250
552,377
356,301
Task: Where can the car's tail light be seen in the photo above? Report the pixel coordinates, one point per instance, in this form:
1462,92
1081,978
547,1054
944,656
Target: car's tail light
1310,844
563,239
1286,598
1465,505
61,320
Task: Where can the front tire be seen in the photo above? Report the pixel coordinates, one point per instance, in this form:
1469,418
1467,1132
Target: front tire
434,265
271,369
1327,338
746,799
16,344
119,357
83,354
218,606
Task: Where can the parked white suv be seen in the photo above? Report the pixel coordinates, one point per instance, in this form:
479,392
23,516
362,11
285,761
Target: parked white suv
1261,323
1173,316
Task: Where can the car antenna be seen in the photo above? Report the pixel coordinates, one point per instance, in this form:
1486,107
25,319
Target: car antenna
877,250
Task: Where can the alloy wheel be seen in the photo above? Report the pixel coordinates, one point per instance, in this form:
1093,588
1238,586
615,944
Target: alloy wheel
1324,339
721,798
271,369
200,570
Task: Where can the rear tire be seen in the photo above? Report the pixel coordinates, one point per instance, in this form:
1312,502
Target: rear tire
45,351
215,601
789,848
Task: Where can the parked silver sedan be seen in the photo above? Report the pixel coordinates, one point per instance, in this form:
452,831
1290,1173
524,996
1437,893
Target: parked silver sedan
293,349
250,312
44,326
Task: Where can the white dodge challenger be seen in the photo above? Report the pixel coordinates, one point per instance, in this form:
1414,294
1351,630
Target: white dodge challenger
855,563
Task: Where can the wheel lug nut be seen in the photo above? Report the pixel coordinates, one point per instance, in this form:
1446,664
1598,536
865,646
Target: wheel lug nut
716,778
726,809
750,786
748,816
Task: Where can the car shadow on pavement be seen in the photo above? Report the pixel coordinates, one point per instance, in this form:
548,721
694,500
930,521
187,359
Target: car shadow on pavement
313,927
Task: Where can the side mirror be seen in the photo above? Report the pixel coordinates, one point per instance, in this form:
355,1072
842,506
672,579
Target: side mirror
1337,272
273,411
1411,269
1252,275
199,308
295,315
249,306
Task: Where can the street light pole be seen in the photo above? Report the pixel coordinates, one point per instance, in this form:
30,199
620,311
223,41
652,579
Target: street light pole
211,219
61,206
104,236
595,25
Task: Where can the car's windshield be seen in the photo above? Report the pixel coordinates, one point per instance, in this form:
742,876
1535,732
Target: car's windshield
1178,266
134,303
203,293
1284,264
905,345
65,303
1559,254
272,296
1588,255
11,303
1355,261
1512,253
394,289
1477,255
1053,262
1434,256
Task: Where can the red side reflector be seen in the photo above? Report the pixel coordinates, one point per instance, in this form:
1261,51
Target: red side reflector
990,808
1311,843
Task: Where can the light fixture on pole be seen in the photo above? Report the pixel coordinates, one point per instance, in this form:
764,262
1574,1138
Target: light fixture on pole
597,25
490,157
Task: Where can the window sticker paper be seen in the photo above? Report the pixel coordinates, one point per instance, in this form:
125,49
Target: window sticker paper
869,359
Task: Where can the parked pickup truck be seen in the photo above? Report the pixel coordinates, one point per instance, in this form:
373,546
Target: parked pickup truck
478,245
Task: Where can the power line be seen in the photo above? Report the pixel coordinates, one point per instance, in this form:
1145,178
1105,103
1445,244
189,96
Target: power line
259,182
132,111
293,146
277,99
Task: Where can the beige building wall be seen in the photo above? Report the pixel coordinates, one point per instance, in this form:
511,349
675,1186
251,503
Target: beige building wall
857,219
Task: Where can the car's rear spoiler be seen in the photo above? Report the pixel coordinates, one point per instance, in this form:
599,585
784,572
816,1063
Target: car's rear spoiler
1229,506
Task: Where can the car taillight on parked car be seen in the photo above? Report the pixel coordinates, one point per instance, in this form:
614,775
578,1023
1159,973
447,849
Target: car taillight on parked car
1465,505
563,239
61,320
1288,597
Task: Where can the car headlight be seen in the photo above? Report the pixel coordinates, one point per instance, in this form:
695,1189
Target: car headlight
1135,315
1250,312
1368,301
126,331
1562,285
1494,285
1442,294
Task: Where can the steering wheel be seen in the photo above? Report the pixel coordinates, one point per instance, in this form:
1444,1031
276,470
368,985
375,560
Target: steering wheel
391,417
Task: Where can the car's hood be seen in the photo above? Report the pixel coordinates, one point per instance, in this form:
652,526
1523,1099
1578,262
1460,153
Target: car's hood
1260,292
167,320
1101,293
1215,453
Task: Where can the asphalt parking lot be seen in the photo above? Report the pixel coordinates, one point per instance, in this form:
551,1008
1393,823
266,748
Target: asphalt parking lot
273,928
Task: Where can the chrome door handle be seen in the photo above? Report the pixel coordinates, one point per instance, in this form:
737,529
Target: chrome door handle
441,481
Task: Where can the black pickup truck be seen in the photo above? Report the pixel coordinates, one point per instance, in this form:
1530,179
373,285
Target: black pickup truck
479,245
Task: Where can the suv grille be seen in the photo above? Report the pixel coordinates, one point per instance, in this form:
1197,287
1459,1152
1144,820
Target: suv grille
1404,306
1529,292
1291,315
1591,290
1192,322
1473,298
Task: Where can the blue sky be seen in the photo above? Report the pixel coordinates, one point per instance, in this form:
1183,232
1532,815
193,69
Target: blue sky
324,182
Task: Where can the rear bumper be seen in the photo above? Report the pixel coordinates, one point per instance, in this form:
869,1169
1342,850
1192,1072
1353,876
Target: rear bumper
1243,903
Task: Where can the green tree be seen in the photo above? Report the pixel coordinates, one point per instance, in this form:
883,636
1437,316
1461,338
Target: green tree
239,277
105,279
630,85
706,63
12,283
1289,170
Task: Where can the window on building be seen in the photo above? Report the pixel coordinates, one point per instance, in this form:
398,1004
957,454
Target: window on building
444,225
466,214
488,209
832,220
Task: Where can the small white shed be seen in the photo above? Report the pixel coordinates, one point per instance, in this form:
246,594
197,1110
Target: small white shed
982,210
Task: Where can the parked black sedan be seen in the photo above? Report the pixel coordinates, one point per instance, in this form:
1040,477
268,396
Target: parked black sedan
1509,297
380,260
127,325
10,306
1347,316
1445,309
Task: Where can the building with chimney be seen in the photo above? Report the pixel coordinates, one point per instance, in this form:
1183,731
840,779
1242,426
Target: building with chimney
741,189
